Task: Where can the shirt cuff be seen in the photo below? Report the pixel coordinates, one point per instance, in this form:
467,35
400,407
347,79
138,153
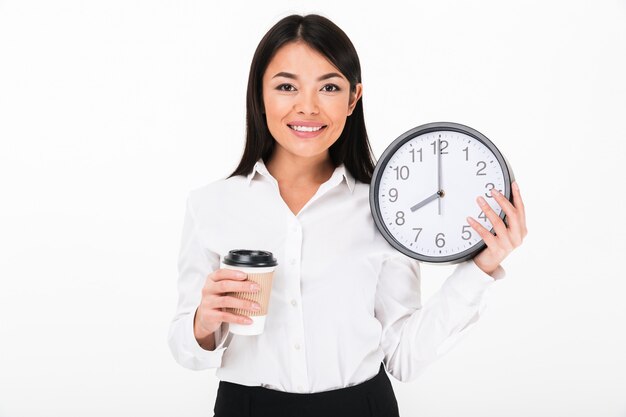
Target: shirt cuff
221,334
202,357
472,282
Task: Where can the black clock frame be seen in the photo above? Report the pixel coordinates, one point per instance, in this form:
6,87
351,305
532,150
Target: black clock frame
394,147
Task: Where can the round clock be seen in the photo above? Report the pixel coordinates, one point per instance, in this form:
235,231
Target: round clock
425,185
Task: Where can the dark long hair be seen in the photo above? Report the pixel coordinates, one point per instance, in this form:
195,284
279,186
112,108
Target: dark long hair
352,147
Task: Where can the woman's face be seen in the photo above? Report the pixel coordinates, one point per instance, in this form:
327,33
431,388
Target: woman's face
306,100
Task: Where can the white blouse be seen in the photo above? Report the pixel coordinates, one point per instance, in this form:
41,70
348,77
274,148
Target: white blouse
343,299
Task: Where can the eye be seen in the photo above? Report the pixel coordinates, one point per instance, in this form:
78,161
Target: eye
330,88
286,87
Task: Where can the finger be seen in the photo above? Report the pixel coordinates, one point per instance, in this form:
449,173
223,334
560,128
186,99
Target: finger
519,204
493,217
225,273
504,203
224,316
227,285
485,234
228,301
512,216
219,316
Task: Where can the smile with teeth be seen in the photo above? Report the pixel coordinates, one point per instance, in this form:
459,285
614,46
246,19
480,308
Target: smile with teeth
306,128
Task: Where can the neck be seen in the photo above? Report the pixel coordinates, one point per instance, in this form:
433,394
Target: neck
300,171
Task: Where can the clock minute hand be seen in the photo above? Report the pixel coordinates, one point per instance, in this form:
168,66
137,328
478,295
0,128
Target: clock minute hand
426,201
439,169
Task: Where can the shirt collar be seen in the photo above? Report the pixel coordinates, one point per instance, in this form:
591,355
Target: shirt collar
260,167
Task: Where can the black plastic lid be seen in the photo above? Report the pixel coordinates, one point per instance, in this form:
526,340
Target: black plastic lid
250,258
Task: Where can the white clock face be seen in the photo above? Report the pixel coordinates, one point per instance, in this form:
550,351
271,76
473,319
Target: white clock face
416,215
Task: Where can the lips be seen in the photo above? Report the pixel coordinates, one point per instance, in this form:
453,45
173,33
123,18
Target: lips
306,129
301,128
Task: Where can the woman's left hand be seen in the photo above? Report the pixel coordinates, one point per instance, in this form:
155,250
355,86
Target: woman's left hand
506,238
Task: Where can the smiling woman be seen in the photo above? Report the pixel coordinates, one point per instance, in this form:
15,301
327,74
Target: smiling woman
345,305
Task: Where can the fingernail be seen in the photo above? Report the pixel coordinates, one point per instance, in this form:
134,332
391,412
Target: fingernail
256,307
240,274
494,191
481,201
255,287
515,186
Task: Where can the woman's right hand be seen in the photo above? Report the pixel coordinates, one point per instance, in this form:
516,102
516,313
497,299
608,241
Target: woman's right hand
209,315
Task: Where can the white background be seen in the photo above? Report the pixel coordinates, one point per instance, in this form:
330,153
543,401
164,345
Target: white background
111,111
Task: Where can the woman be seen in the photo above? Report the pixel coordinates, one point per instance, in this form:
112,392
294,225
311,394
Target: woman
345,306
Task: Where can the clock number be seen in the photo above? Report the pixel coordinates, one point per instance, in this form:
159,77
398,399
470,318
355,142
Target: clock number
402,172
399,216
419,230
465,230
484,164
444,145
487,186
482,216
393,193
466,150
439,240
413,152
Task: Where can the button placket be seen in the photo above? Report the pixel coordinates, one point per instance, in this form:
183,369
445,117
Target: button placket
299,372
293,254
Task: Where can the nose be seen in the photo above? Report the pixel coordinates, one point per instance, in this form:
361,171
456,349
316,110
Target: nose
306,103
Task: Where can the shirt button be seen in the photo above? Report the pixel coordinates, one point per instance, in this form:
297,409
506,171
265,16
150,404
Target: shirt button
293,303
297,346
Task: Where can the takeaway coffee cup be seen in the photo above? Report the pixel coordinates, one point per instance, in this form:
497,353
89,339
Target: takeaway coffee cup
260,266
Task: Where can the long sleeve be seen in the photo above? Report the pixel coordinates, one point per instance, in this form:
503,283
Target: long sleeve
414,336
195,263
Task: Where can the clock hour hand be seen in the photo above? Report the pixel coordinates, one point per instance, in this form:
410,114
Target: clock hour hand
426,201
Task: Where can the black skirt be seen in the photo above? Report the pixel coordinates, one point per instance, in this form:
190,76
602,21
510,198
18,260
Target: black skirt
371,398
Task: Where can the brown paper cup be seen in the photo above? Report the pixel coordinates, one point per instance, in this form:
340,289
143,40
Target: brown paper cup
262,297
262,275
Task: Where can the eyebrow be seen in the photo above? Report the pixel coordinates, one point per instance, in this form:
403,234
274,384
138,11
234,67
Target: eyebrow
295,77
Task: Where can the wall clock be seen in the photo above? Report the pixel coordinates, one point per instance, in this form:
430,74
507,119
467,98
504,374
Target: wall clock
425,185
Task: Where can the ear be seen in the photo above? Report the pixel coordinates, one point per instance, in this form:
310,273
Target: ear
354,97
